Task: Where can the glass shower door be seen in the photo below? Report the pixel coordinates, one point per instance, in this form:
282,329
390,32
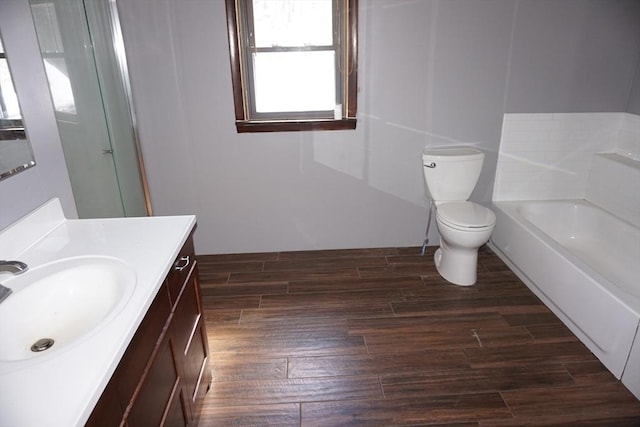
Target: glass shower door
79,43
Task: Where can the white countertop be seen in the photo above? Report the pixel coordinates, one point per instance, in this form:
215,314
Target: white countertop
62,388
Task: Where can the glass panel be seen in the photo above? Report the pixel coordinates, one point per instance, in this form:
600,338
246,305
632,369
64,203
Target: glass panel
293,23
294,81
46,20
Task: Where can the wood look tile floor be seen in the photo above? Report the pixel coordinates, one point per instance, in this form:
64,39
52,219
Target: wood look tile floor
376,338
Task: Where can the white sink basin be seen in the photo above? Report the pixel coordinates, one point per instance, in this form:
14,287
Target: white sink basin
58,304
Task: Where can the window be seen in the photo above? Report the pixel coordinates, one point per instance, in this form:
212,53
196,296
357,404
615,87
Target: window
293,64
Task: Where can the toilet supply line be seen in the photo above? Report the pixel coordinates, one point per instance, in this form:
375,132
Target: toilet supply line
426,234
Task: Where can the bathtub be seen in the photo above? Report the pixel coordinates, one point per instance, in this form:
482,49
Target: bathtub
584,264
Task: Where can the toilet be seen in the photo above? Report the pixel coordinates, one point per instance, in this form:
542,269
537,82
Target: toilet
451,175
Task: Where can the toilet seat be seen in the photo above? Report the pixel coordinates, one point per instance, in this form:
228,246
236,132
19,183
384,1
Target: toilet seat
466,215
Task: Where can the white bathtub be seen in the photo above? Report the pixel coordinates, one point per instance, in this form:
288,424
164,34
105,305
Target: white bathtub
584,264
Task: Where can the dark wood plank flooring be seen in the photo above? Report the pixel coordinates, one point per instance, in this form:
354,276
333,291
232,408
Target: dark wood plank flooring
376,338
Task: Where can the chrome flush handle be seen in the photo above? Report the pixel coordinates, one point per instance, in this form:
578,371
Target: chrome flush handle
430,165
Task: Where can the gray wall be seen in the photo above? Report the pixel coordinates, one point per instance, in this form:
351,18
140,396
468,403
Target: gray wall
430,72
573,56
634,95
22,193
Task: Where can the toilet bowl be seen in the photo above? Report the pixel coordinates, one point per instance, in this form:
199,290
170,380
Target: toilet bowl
451,175
463,228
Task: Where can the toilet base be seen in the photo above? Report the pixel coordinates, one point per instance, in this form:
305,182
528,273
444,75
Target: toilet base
457,266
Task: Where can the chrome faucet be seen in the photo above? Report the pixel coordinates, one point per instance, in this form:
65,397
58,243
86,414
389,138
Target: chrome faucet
14,267
4,292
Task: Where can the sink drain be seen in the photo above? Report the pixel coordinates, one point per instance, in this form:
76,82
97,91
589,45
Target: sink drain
42,344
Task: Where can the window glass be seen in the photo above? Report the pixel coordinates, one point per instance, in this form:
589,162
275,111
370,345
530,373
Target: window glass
292,22
294,81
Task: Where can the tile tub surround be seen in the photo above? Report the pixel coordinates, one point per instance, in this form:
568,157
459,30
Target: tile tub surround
71,382
548,156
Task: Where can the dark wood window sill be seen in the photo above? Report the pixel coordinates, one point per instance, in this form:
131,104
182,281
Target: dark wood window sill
294,125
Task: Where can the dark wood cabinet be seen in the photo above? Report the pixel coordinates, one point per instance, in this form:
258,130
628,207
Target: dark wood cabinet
156,389
164,374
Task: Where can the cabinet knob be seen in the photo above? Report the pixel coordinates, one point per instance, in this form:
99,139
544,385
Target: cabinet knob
182,263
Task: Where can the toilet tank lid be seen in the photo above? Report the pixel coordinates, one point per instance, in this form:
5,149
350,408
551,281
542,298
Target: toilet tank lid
452,154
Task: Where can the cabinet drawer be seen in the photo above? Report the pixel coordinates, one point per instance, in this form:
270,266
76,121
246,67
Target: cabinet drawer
187,314
180,270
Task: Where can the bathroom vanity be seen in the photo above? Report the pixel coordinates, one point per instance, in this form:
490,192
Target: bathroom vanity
163,376
142,360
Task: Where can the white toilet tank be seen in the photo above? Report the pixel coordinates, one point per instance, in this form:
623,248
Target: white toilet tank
451,173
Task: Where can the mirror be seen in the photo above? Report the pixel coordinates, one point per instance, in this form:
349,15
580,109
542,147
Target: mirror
16,154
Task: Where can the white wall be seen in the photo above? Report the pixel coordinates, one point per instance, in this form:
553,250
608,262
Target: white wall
430,72
27,190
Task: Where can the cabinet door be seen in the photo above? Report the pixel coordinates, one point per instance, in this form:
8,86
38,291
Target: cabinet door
196,369
176,415
158,390
108,412
141,348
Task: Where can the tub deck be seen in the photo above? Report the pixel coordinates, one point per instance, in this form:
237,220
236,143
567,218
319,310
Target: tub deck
608,245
